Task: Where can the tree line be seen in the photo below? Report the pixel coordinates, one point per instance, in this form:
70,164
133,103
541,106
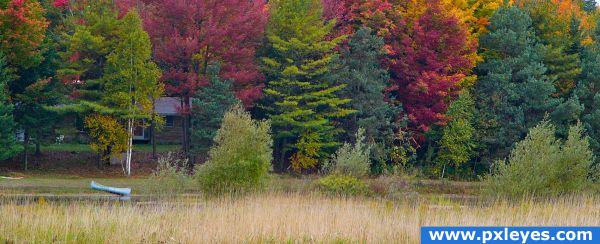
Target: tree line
443,86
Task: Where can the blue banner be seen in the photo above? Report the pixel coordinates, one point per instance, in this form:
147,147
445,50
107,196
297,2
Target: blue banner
509,234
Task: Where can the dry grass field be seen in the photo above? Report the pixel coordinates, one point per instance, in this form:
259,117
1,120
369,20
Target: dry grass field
273,218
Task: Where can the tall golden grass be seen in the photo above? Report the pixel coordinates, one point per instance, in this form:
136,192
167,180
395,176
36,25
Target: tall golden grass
274,218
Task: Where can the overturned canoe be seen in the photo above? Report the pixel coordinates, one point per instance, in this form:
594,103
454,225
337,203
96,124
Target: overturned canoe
113,190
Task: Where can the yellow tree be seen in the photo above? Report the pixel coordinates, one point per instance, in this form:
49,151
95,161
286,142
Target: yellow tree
107,134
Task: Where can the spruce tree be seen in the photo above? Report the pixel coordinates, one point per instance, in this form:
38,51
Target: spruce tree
8,144
209,107
513,93
301,102
358,66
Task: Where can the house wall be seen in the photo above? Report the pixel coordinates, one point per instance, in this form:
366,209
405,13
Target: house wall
171,134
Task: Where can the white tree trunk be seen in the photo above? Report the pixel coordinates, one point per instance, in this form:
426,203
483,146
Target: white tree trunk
129,146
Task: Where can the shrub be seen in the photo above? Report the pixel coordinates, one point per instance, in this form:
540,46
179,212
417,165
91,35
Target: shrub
108,137
170,177
240,157
342,185
307,155
351,159
542,166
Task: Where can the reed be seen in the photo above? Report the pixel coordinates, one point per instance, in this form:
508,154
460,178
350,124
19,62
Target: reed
274,218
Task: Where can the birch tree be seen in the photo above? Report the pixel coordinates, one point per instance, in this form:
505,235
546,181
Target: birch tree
132,78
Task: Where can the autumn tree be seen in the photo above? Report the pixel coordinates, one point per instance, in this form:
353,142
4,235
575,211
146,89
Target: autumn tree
209,107
428,58
189,35
300,101
22,30
131,77
359,68
474,13
513,93
8,143
351,15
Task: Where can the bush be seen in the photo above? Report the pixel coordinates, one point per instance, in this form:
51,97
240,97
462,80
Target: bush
542,166
107,135
342,185
170,177
241,156
350,159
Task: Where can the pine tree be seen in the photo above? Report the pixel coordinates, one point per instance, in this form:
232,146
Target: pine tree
8,143
359,68
95,34
588,92
589,5
512,93
564,62
559,25
457,144
209,107
301,102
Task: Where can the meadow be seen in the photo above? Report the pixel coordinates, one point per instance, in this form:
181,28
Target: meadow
290,210
273,218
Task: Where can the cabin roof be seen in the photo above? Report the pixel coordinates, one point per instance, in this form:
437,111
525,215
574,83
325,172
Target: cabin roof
167,105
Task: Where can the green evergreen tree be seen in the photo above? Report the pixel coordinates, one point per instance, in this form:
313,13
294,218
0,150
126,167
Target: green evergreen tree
588,91
563,62
564,68
512,93
589,5
561,38
457,144
301,102
94,36
358,66
8,144
209,107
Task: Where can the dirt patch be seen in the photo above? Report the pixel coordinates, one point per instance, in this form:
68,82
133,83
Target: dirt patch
76,164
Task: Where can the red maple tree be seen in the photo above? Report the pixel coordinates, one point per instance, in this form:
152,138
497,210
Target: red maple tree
188,35
427,59
428,51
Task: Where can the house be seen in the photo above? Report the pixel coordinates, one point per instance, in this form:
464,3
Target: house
171,132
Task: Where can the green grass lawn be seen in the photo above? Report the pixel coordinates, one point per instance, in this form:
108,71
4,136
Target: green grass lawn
73,147
389,187
65,185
